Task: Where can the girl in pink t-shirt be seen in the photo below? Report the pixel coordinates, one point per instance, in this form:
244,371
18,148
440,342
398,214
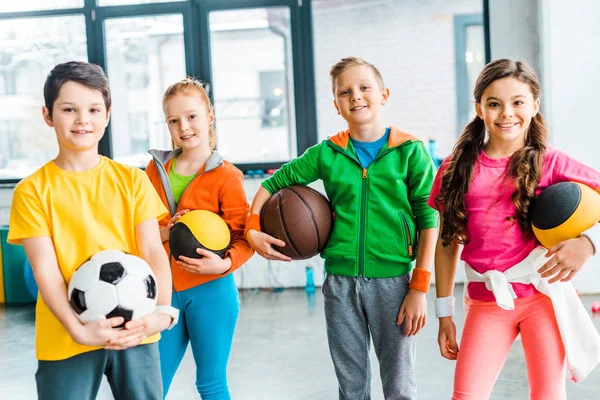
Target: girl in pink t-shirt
484,191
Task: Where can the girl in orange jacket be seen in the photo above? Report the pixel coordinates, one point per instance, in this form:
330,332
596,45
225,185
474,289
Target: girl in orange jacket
192,177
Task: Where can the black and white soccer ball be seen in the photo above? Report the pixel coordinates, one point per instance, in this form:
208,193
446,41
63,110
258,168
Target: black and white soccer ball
113,284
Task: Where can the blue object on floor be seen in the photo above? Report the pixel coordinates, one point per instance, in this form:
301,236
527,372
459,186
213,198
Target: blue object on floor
30,280
310,282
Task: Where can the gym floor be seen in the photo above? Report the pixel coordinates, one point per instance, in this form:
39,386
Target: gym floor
280,353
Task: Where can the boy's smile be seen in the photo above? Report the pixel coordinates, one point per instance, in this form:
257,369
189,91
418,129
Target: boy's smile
358,97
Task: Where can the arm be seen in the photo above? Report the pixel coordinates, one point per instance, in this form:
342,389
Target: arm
148,241
234,209
414,307
52,287
147,238
302,170
446,261
167,222
567,258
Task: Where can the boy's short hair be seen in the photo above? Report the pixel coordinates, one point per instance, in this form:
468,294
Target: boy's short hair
86,74
348,62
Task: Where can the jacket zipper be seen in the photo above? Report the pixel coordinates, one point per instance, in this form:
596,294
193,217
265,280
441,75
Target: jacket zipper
363,212
408,234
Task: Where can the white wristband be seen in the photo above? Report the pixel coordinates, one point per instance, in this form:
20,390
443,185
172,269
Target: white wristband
170,311
444,306
594,235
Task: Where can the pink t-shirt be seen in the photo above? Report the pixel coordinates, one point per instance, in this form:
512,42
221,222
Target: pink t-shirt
494,242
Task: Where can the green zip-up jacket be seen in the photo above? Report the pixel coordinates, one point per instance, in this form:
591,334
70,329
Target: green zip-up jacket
378,210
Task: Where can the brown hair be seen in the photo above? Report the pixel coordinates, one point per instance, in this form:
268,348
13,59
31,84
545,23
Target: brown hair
86,74
525,165
189,87
349,62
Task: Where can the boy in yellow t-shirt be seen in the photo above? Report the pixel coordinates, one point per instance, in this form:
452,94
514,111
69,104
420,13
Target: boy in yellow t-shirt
74,206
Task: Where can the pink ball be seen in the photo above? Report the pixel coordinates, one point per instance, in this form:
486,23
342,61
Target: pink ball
595,307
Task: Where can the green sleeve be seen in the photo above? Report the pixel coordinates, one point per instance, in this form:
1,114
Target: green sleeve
420,181
300,171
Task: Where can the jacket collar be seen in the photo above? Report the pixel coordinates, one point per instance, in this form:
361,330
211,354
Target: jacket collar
397,137
165,156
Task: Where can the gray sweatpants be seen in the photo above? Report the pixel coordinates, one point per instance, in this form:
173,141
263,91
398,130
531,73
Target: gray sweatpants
133,374
355,307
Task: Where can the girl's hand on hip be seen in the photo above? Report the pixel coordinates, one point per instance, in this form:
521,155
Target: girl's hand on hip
413,312
566,259
210,264
447,338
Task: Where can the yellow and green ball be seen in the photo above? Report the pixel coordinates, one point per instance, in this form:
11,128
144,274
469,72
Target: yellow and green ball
199,229
563,211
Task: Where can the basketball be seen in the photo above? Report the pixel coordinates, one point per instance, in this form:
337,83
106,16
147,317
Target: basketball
199,229
301,217
563,211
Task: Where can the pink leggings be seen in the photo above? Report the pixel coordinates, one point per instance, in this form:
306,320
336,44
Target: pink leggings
488,334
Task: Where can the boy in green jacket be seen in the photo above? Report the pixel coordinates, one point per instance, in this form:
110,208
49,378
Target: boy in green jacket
378,180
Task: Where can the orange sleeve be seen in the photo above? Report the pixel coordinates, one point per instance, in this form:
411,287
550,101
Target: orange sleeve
235,208
152,173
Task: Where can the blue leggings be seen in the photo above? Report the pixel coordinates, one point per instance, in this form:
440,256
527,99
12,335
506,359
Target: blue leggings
207,320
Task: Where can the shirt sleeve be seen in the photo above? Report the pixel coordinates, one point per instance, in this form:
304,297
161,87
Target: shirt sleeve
28,218
148,204
300,171
419,186
437,187
564,168
235,209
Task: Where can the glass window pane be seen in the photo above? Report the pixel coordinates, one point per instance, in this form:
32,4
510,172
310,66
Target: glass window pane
475,59
38,5
144,56
122,2
415,55
253,94
29,49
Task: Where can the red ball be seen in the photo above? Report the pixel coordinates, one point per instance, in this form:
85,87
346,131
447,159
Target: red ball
596,307
301,217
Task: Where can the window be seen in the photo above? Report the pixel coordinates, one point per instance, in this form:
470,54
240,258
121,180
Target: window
144,56
253,93
272,94
29,49
34,5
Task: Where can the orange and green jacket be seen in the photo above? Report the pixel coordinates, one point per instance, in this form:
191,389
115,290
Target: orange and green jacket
379,210
219,188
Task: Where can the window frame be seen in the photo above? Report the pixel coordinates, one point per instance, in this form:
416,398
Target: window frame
196,35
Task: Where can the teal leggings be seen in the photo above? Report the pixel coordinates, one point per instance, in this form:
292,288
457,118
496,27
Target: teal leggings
207,321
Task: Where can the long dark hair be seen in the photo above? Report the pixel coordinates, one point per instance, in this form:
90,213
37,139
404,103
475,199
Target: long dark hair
525,165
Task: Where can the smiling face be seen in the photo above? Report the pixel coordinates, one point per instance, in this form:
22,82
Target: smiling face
189,120
358,95
79,117
507,107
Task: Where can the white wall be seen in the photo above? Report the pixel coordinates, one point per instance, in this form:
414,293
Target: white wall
560,40
411,42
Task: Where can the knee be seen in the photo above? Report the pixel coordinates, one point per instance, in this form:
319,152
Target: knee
214,390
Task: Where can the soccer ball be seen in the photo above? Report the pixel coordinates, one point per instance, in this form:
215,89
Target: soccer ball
113,284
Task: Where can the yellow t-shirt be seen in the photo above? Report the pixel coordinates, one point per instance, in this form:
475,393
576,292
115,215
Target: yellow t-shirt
83,213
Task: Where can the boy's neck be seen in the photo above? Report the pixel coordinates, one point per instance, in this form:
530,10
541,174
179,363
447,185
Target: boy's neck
77,161
367,132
